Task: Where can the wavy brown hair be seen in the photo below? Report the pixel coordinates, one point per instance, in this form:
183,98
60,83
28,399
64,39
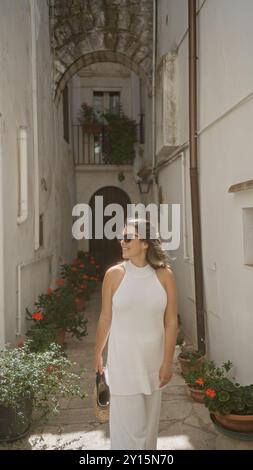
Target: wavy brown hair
156,256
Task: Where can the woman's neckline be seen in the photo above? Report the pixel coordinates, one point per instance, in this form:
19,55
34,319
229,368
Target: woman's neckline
139,270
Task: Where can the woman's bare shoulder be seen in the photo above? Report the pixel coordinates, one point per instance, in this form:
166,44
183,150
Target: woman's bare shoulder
115,272
165,274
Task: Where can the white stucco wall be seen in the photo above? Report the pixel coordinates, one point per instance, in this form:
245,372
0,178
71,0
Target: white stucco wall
55,162
225,146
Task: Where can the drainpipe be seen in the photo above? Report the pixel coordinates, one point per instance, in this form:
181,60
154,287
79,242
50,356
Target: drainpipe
195,203
154,58
35,123
153,81
23,176
2,293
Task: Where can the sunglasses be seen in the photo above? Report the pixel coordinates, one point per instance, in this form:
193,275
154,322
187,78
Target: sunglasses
127,237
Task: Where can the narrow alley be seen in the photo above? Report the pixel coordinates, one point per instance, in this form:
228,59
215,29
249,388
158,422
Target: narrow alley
112,110
184,424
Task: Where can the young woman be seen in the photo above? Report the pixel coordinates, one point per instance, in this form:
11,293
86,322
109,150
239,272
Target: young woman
139,315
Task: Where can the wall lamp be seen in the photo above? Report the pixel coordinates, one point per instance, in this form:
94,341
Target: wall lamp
144,185
144,179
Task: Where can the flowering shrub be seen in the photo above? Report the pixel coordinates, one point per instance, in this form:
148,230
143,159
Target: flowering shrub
226,396
82,275
205,373
57,309
44,378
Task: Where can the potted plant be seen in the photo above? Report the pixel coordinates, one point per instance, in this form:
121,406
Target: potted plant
82,276
32,382
189,359
199,379
41,338
90,120
121,133
231,404
57,311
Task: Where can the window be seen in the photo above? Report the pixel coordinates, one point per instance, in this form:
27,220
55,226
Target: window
106,101
65,101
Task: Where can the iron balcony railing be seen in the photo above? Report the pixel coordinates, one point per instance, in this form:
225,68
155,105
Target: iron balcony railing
90,149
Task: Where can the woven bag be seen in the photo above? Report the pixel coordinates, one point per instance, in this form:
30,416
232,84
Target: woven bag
101,398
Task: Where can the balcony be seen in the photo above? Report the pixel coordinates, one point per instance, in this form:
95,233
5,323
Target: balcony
95,149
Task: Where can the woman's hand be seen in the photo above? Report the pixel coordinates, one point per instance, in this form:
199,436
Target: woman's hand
98,363
165,373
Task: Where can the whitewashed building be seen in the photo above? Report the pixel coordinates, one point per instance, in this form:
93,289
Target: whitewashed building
225,141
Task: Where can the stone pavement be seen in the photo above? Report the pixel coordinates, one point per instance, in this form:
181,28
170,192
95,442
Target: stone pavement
184,424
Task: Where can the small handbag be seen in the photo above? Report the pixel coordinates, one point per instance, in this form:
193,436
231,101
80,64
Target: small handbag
101,398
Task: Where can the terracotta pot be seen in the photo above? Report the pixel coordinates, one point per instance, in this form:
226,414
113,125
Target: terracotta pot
241,423
197,395
189,366
60,336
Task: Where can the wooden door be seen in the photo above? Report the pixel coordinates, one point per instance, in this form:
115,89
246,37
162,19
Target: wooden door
107,251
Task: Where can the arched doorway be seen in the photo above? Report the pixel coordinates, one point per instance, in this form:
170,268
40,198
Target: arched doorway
107,251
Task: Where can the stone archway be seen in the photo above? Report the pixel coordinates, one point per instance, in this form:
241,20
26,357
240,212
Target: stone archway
88,31
100,56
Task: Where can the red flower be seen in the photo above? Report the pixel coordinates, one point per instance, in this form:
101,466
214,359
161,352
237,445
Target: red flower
199,381
60,282
49,291
37,316
210,393
77,301
81,265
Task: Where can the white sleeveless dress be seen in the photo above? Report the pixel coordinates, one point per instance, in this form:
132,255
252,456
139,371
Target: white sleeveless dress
136,341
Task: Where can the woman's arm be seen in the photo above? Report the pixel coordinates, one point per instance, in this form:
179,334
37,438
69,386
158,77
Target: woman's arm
170,326
104,323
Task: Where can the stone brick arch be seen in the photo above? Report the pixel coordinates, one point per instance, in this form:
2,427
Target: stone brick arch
87,31
100,56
